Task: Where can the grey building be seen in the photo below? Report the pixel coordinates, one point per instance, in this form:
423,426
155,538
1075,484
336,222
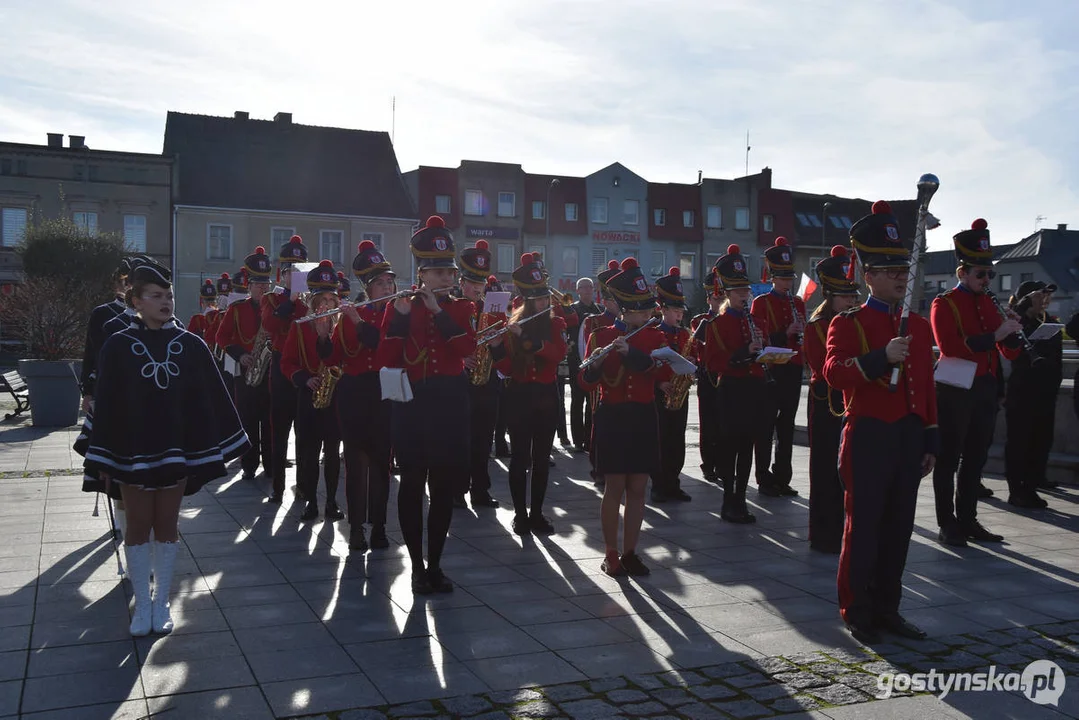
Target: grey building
1049,255
492,198
617,216
731,214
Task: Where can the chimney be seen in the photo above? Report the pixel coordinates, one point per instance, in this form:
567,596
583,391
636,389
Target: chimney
56,140
241,115
283,117
1062,226
76,142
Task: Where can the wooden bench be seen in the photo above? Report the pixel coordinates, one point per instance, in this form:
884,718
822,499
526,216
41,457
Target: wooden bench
13,383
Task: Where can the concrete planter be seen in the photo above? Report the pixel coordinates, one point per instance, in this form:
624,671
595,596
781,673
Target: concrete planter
54,392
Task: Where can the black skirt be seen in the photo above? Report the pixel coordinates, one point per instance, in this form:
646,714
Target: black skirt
363,415
626,439
433,429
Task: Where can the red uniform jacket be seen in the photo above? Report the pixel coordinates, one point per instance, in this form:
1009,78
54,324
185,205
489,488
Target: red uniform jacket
237,330
356,346
774,310
541,361
199,324
278,312
726,345
591,324
569,317
428,345
698,344
963,325
815,347
856,364
631,378
303,355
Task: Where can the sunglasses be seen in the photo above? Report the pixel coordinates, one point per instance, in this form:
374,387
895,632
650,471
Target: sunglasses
981,274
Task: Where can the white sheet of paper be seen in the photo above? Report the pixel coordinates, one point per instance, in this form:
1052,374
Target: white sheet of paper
776,355
1046,331
299,275
679,364
395,384
237,297
496,302
956,372
231,366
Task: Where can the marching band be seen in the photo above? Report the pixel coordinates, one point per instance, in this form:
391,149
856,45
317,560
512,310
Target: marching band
423,376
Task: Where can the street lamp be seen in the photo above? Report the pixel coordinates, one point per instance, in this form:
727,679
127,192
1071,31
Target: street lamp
824,225
547,216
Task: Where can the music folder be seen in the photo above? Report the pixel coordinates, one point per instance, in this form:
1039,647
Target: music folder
1046,331
956,372
679,364
395,384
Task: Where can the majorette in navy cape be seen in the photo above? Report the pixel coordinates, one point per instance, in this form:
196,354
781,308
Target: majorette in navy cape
161,411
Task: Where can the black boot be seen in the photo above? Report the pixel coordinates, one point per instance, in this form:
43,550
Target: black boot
740,494
357,541
379,541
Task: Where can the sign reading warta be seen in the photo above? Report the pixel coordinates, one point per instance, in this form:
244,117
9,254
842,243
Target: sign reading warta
616,236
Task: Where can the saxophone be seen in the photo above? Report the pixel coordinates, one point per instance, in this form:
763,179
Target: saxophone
262,351
680,384
327,380
482,372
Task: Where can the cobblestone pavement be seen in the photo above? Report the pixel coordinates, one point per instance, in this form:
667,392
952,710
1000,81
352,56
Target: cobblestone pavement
276,620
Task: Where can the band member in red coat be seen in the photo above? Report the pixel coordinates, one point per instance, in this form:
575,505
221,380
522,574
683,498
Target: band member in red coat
237,334
826,406
430,335
783,314
732,341
202,321
890,439
707,382
967,325
580,409
528,355
666,484
625,440
363,416
591,324
279,309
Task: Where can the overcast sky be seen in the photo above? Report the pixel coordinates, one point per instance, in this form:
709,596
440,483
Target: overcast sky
851,98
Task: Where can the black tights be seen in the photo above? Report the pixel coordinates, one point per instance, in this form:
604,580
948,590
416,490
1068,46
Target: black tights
439,511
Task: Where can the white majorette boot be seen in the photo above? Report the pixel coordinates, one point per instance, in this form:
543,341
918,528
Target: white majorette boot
138,572
164,562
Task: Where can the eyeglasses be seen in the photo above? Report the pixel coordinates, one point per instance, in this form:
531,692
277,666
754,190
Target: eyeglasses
981,274
894,273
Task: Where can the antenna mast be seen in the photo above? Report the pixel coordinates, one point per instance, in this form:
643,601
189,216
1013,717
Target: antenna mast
747,153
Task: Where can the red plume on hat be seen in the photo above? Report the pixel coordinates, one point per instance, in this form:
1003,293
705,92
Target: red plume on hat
366,245
482,245
838,251
435,221
224,276
979,224
526,259
674,272
629,263
492,279
612,264
733,249
259,250
782,241
881,207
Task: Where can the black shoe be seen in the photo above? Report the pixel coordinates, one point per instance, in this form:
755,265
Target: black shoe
421,585
1028,500
737,515
658,497
633,565
984,492
787,491
614,569
768,489
276,499
952,535
310,512
357,540
248,475
681,495
438,581
564,441
896,625
540,524
459,502
520,525
333,513
379,541
865,634
1047,484
483,500
977,532
826,547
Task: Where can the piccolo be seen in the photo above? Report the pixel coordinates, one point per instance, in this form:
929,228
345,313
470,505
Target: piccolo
487,337
346,305
601,353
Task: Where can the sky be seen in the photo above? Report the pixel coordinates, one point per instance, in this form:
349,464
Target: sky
856,99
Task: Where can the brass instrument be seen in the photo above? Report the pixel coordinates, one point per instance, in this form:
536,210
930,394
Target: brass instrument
755,337
328,375
680,384
564,299
600,354
345,305
482,372
262,351
487,337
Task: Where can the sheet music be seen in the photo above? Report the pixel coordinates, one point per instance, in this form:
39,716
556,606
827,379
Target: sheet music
1046,331
496,302
299,276
395,384
679,364
956,372
772,355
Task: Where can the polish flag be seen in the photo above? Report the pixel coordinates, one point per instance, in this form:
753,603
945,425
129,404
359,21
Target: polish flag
806,288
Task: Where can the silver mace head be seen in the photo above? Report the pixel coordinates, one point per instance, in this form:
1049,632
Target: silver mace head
927,185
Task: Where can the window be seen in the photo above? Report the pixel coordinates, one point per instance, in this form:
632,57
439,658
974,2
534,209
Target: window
539,212
599,210
714,217
802,218
712,259
569,261
631,212
473,202
836,222
1005,282
506,259
507,204
571,212
442,204
331,245
20,167
279,236
218,242
1026,277
13,222
687,265
814,221
942,285
86,221
79,171
135,233
659,217
846,222
659,263
768,221
374,237
541,250
95,172
813,264
687,218
5,166
599,259
741,218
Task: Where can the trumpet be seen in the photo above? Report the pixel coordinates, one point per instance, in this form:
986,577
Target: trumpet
493,331
564,299
600,354
346,305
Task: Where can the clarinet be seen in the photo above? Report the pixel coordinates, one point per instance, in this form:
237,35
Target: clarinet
755,337
794,313
1035,358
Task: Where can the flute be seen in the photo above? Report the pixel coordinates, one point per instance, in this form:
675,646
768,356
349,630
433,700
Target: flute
346,305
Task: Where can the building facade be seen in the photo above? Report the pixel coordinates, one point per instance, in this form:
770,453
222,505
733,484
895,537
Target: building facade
556,227
243,183
100,190
617,216
1049,255
676,234
732,213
